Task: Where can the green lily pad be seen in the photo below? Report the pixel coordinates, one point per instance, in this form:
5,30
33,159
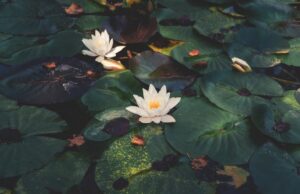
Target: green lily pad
96,130
275,171
158,69
128,168
32,17
257,46
113,90
203,129
23,49
211,57
266,11
7,104
292,58
35,83
281,125
21,134
287,102
59,175
90,22
217,26
5,191
237,92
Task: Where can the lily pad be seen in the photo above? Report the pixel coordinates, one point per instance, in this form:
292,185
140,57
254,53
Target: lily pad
21,133
90,22
49,81
59,175
7,104
287,102
222,136
32,17
113,90
131,169
217,26
292,58
24,49
98,131
239,93
158,69
257,46
281,125
274,170
129,29
211,57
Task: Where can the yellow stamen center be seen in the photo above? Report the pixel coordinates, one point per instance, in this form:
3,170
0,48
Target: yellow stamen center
154,104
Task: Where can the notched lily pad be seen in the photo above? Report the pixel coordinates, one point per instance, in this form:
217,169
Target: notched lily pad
49,81
278,123
274,170
131,29
159,69
109,123
237,92
32,17
130,168
112,90
59,175
204,129
257,46
20,133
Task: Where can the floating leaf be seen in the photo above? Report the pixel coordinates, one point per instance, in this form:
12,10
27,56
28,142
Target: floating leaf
211,131
23,49
89,7
158,69
90,22
113,90
257,46
129,168
281,125
130,29
293,56
239,93
36,83
274,170
216,25
59,175
7,104
20,133
32,17
98,129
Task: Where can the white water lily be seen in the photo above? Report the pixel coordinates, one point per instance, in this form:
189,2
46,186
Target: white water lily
155,106
101,46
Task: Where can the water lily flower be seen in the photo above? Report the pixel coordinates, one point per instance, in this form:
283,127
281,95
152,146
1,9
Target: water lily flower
155,106
241,65
101,46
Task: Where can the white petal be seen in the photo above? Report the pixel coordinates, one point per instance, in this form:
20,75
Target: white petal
97,34
114,51
112,65
105,36
168,119
146,94
156,119
145,119
152,91
99,59
171,104
89,53
111,43
163,91
137,110
88,43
